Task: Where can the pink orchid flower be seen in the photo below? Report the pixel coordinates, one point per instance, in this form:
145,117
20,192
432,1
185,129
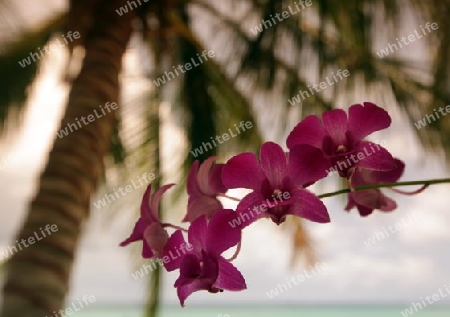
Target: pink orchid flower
204,183
368,200
340,138
278,183
203,268
149,228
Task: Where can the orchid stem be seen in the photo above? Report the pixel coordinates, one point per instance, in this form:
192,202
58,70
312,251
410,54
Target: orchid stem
414,192
426,183
238,249
173,226
229,197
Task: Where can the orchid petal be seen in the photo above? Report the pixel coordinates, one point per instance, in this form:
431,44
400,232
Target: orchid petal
246,213
147,252
154,203
197,233
210,268
375,157
190,267
389,176
370,198
364,120
335,123
388,204
174,243
309,131
229,277
204,205
307,165
215,179
373,199
203,175
274,163
184,291
156,237
146,211
221,236
192,186
137,233
243,171
364,211
307,205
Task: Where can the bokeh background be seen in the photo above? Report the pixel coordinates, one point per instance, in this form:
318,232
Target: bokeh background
46,179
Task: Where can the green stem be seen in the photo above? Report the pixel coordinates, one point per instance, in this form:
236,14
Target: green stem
166,224
229,197
382,185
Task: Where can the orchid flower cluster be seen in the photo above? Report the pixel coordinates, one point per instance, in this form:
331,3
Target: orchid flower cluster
279,183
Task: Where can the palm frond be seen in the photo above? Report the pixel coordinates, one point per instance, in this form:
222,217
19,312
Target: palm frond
15,79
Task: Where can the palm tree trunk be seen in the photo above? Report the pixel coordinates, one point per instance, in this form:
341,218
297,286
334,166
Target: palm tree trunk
38,276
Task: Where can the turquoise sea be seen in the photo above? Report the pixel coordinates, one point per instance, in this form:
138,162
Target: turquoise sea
269,311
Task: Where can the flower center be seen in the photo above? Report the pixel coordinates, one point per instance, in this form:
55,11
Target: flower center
341,149
213,289
276,192
197,274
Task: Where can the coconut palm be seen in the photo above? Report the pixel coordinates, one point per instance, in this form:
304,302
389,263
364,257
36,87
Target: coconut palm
71,176
254,69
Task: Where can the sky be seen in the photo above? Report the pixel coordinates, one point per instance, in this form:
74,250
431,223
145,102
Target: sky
405,266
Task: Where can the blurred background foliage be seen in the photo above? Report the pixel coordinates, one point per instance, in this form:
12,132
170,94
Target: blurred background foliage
250,79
